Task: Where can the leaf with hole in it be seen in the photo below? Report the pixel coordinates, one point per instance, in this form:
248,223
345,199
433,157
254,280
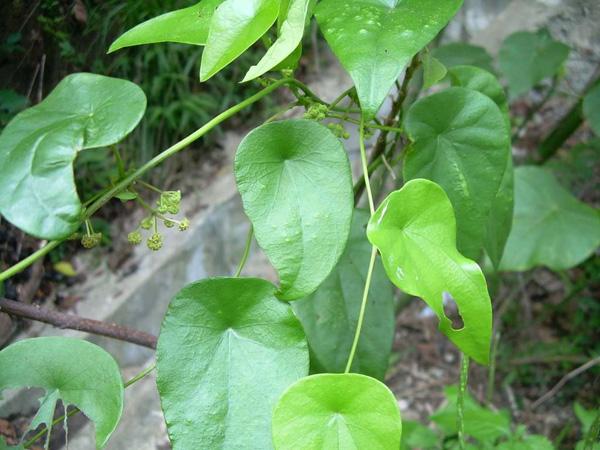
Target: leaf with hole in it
38,148
296,186
463,54
235,26
187,26
415,231
501,212
330,314
342,411
591,108
550,227
460,141
375,39
526,58
290,37
433,71
72,370
227,350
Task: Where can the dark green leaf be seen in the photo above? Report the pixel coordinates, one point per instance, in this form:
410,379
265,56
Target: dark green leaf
38,147
461,54
77,372
227,350
551,227
235,26
290,37
526,58
415,231
375,39
591,108
460,141
296,187
343,411
330,314
187,26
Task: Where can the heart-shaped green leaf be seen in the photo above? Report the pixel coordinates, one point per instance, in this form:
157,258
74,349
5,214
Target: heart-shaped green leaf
501,212
460,141
551,227
330,314
235,26
227,350
462,54
375,39
38,147
290,36
77,372
526,58
415,231
187,26
337,411
296,187
591,108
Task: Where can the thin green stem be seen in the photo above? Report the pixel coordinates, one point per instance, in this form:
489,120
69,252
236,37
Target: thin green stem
246,252
74,411
460,404
158,159
119,161
365,166
341,97
357,122
149,186
489,395
363,308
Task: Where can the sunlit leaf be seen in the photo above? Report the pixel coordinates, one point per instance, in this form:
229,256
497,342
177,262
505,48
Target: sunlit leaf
415,231
72,370
337,411
288,41
460,141
330,314
463,54
296,186
375,39
38,147
235,26
551,227
187,26
591,108
526,58
227,350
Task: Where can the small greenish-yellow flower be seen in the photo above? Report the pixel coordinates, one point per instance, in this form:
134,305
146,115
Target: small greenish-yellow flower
147,222
169,202
134,238
168,223
155,242
91,240
184,224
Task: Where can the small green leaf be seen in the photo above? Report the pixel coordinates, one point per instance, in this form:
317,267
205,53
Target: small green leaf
330,314
290,37
551,227
460,141
415,435
433,71
375,39
296,186
235,26
501,212
462,54
187,26
415,231
38,147
526,58
77,372
227,350
126,195
337,411
585,416
591,108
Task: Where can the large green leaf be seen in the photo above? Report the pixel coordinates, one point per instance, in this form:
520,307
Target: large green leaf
290,36
38,147
460,141
77,372
415,231
526,58
337,411
591,108
296,187
375,39
501,212
551,227
227,350
187,26
235,26
330,314
460,54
